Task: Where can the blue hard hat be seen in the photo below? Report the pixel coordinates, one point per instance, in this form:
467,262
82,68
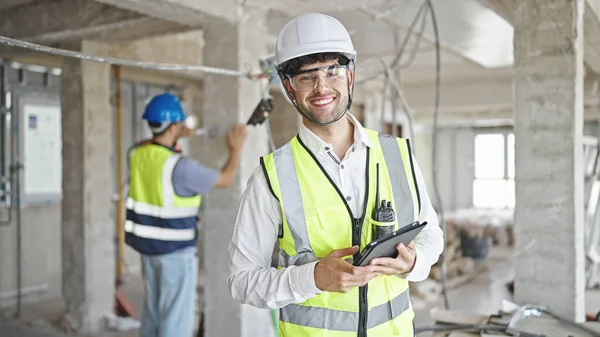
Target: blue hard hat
164,108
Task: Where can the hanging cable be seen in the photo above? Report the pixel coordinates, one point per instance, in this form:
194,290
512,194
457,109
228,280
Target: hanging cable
412,56
400,50
394,101
434,159
383,98
405,108
376,16
408,35
125,62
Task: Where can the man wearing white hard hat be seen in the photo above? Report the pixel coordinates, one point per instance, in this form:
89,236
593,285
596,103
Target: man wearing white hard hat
314,200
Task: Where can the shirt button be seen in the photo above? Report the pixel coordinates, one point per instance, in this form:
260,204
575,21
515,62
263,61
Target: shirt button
342,167
348,198
326,148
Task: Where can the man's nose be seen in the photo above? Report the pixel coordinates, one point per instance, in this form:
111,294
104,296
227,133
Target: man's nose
320,85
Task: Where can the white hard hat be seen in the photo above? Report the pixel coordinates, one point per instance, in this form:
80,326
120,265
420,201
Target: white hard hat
312,33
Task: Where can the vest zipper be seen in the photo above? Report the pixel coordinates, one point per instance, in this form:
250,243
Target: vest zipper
363,305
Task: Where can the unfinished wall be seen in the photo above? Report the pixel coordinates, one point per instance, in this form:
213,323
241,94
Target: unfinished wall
465,106
41,261
40,218
456,162
284,120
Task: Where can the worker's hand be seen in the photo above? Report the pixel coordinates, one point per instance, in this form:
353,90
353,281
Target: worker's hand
236,137
403,263
334,274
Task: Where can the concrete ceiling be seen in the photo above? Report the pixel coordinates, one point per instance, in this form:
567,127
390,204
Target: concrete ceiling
476,38
466,27
12,3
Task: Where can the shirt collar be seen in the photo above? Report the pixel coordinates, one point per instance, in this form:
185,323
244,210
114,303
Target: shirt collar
316,144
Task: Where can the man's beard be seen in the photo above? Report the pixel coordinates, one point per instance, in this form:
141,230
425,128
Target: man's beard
330,116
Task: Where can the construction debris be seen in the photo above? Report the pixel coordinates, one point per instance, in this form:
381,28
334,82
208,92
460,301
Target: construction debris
512,320
470,234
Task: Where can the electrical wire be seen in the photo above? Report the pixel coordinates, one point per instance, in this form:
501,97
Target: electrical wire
125,62
415,49
408,35
434,159
377,16
400,50
405,107
383,98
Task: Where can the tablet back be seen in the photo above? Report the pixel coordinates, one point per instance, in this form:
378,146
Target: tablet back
386,246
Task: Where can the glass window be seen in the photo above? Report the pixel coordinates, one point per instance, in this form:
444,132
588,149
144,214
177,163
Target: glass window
494,185
510,148
489,156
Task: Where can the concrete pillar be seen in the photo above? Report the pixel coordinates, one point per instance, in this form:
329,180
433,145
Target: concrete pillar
285,121
548,98
88,250
230,100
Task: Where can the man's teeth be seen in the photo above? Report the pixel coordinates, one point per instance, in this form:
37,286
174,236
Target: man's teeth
323,101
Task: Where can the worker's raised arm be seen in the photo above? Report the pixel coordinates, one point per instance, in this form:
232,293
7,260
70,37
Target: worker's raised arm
235,142
252,280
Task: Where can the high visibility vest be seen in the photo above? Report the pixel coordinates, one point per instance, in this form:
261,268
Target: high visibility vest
317,220
158,221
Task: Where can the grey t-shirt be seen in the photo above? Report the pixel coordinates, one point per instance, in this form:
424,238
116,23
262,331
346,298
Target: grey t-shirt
191,178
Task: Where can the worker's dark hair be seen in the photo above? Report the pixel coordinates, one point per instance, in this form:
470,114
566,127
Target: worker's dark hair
292,66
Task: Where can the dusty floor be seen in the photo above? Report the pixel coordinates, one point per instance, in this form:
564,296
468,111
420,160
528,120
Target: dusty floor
482,295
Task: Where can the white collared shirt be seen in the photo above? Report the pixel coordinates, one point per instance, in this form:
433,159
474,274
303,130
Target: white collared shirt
253,281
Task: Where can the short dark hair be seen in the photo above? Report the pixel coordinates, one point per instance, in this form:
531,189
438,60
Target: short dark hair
292,66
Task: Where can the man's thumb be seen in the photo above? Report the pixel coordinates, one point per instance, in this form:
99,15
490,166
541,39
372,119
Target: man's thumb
344,252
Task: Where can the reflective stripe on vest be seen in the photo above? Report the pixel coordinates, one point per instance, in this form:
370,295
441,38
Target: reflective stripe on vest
334,311
168,209
158,220
159,233
322,318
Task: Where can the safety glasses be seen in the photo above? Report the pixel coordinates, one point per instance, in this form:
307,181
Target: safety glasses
307,80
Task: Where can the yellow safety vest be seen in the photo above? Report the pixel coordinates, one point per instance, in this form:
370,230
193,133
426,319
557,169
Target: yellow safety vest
317,220
158,220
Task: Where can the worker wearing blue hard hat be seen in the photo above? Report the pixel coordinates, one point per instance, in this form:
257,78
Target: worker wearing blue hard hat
165,194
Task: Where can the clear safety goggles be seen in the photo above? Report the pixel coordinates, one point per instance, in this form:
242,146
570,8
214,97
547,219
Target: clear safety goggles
307,80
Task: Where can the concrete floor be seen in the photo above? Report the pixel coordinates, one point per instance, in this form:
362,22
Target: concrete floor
482,295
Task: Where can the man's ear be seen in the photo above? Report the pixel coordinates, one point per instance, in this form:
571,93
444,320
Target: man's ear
172,128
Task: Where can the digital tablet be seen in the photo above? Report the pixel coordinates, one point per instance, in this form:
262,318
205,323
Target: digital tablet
386,246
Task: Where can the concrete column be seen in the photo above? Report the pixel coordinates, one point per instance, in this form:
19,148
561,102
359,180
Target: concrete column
230,100
285,121
88,250
548,96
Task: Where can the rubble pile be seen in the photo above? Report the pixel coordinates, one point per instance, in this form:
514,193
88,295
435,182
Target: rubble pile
470,234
